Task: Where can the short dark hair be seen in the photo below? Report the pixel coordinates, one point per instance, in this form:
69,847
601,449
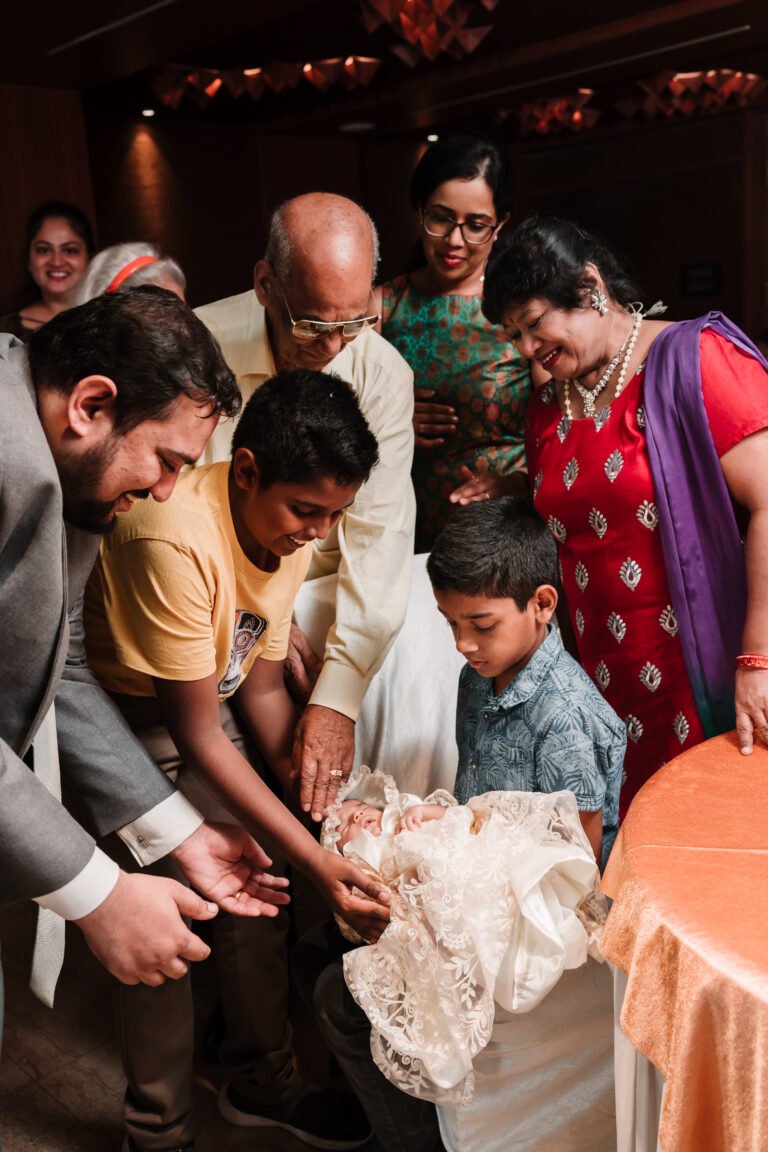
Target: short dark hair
77,220
461,158
148,341
546,257
496,548
302,425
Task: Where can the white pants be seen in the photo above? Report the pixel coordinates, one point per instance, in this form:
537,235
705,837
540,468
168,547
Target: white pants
545,1081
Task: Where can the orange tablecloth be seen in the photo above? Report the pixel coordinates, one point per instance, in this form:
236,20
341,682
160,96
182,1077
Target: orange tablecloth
689,925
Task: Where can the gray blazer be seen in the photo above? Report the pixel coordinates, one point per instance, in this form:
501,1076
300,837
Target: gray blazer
104,769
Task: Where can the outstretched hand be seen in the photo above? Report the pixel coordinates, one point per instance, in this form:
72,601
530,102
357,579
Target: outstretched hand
227,865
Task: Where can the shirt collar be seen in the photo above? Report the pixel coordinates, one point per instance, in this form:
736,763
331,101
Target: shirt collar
256,357
527,682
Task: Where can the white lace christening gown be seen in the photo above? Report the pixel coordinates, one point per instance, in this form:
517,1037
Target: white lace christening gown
490,906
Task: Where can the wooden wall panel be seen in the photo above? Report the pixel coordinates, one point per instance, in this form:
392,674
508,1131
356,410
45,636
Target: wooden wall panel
193,189
673,198
204,191
45,157
681,200
387,166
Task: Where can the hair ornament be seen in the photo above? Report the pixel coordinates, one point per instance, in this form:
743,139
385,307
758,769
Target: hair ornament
131,267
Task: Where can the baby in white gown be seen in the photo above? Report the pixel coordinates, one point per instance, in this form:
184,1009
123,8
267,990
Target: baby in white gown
492,902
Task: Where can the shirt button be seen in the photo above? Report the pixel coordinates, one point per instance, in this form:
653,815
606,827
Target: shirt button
473,766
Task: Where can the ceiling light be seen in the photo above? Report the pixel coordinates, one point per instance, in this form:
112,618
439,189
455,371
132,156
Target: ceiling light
148,112
432,138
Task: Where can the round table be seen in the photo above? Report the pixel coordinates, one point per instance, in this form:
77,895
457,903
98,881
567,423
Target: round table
689,926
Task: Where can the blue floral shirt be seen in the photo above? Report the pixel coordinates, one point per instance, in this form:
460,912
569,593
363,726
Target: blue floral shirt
549,729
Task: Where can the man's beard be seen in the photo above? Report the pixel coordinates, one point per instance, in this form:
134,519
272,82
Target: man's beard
80,475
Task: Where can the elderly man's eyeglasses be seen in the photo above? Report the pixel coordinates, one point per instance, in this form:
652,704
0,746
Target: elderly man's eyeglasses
440,224
308,330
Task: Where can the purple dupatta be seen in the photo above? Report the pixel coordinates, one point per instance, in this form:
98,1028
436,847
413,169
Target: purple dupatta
700,536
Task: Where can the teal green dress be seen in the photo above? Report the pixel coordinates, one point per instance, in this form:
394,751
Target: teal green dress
452,348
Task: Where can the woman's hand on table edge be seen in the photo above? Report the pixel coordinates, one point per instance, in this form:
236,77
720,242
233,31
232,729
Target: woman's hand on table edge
751,707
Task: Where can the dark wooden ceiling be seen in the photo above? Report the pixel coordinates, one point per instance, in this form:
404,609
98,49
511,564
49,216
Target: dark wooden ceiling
108,52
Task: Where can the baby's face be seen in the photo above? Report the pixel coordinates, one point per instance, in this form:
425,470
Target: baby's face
353,816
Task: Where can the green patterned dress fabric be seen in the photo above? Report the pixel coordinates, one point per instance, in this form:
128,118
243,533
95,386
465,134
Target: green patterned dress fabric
452,348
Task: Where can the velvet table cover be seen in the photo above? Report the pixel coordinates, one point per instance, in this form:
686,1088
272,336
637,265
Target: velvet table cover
689,926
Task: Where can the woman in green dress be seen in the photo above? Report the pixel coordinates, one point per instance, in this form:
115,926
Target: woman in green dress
471,385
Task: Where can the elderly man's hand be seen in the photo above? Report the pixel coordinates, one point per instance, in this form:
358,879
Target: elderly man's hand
323,753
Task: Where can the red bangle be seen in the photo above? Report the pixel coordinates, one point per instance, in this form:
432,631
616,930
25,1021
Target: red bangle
752,660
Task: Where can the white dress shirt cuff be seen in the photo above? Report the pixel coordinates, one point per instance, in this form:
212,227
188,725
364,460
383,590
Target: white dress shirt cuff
340,687
162,829
86,891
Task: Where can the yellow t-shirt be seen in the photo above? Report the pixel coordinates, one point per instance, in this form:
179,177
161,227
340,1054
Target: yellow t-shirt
173,595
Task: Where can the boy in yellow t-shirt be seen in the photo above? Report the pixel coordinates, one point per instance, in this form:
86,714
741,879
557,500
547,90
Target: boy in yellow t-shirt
189,607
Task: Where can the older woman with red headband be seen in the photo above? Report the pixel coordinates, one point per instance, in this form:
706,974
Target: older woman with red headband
124,266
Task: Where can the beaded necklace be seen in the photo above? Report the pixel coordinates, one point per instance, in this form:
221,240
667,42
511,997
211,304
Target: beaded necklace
589,396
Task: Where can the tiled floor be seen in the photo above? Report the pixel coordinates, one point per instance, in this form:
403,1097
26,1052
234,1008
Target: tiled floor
61,1083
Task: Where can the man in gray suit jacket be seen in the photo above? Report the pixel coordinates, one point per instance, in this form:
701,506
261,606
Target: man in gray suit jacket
106,404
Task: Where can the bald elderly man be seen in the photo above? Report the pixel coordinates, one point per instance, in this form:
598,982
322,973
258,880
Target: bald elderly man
312,307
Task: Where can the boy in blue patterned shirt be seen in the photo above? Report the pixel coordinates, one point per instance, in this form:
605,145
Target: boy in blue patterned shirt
528,717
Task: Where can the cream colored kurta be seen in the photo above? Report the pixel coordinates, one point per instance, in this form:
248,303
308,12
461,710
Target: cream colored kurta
372,544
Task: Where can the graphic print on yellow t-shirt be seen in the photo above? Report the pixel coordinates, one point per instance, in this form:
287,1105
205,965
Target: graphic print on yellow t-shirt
248,628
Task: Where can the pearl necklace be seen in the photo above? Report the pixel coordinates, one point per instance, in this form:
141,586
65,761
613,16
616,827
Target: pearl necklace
630,349
589,396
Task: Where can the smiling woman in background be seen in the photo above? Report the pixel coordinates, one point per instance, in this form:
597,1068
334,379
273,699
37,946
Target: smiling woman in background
59,246
471,385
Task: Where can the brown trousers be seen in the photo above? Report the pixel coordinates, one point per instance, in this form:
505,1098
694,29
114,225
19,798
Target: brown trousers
156,1025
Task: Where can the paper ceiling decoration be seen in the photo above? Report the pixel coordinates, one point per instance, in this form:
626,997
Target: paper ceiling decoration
428,27
671,94
666,95
175,81
558,114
